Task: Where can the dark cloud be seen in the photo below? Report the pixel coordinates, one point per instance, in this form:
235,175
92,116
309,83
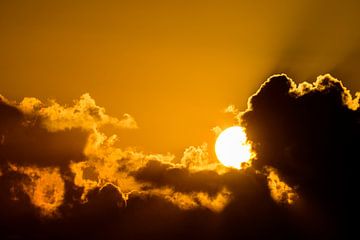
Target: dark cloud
62,178
25,141
181,179
310,133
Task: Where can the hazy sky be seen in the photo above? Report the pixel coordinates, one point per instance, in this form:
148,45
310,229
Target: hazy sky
173,65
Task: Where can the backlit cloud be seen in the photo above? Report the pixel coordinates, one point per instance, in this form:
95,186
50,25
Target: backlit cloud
57,164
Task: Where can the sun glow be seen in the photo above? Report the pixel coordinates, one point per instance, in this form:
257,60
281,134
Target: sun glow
232,148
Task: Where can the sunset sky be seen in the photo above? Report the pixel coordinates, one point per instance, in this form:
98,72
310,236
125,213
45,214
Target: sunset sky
166,77
173,65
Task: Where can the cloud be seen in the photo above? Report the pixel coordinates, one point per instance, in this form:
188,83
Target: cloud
58,170
279,190
309,133
83,114
25,141
44,186
57,147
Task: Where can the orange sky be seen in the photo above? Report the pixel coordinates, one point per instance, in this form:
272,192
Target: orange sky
173,65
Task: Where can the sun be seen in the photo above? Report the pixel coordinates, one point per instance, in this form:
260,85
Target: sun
232,148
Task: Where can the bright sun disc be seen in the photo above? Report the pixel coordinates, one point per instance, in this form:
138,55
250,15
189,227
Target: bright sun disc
231,147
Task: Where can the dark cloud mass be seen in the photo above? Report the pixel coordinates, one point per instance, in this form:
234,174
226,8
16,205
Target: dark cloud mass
24,141
310,134
62,178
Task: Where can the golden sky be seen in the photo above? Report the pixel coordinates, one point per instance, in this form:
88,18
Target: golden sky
173,65
109,113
